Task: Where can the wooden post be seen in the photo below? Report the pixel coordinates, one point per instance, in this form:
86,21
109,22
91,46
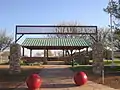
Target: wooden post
47,54
45,57
71,52
72,58
86,56
63,52
44,53
30,52
87,51
23,51
79,51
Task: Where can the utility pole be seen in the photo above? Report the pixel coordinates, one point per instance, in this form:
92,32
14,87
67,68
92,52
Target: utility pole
111,27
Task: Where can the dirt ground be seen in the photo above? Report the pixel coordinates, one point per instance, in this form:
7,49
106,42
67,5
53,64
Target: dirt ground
13,81
112,80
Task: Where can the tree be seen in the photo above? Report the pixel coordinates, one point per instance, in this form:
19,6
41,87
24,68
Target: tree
68,30
5,40
113,8
65,29
104,36
117,39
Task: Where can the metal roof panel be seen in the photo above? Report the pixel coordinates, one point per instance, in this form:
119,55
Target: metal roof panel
55,42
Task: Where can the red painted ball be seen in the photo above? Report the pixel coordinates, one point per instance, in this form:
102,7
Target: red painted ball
80,78
33,82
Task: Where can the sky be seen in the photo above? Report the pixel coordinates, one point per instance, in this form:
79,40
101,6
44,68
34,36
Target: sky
37,12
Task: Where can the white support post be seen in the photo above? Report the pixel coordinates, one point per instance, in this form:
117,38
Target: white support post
111,27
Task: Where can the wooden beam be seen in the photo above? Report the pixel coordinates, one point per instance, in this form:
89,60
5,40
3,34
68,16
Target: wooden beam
16,39
55,47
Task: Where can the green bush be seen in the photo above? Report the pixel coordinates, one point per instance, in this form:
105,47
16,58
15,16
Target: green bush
22,62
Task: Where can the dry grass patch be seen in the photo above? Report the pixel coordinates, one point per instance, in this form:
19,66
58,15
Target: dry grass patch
11,81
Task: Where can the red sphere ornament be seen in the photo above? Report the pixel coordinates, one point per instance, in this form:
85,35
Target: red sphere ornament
34,82
80,78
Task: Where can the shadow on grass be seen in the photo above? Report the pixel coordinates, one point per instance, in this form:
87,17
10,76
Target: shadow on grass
6,77
11,81
88,68
112,71
13,89
108,70
45,86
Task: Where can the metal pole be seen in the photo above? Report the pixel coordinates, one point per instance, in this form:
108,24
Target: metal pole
111,27
0,56
103,77
15,34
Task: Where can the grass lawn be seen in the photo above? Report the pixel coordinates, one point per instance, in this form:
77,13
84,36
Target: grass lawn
109,62
11,81
89,68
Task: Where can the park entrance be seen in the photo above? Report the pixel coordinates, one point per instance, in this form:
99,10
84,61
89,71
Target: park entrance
66,38
59,38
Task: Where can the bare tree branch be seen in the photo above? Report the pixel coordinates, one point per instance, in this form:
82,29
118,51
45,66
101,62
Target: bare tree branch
5,40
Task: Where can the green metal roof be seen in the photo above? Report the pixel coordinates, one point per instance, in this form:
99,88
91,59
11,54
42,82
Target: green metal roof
55,42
